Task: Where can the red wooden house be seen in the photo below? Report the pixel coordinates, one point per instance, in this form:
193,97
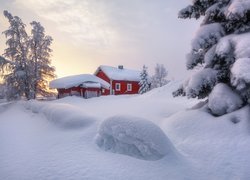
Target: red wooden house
84,85
121,80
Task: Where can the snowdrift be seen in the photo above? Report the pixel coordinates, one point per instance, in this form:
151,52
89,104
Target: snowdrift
135,137
63,115
164,91
210,147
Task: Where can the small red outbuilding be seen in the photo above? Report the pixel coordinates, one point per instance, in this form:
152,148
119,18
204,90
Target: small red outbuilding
84,85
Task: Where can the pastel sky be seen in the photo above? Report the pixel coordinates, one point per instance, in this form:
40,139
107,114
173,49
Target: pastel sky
88,33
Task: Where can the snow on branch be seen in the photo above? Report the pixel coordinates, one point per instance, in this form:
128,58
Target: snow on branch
240,74
201,83
238,9
207,36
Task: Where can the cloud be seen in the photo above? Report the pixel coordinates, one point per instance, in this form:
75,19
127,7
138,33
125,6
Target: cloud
84,21
105,23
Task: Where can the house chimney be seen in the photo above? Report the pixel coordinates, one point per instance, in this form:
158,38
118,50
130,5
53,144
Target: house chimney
120,67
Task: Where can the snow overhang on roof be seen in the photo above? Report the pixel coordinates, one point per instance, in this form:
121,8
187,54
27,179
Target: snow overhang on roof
121,74
77,80
91,85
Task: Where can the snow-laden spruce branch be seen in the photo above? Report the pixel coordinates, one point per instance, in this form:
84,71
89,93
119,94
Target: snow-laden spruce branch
220,49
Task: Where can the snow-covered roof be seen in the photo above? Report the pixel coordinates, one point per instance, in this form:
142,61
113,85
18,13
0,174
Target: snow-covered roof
120,74
76,80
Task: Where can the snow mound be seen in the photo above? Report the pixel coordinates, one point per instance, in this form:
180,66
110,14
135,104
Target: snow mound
63,115
223,100
67,116
135,137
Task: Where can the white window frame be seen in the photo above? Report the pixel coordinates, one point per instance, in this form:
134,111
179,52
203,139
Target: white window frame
129,87
117,86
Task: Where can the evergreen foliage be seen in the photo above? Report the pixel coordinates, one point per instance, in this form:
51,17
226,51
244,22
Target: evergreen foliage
144,82
221,42
40,53
25,64
17,77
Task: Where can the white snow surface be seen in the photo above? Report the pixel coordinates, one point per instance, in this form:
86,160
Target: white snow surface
120,74
76,80
34,147
223,100
133,136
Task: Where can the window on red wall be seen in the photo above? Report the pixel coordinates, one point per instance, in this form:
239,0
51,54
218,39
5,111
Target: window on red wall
129,87
117,86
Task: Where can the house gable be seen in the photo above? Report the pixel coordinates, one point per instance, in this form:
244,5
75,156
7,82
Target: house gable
127,80
121,74
99,73
102,75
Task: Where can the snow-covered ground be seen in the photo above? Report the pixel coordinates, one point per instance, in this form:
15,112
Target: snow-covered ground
152,136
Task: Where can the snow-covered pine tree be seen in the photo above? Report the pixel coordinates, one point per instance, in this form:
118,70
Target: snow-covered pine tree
15,70
221,47
26,65
159,78
144,82
40,53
